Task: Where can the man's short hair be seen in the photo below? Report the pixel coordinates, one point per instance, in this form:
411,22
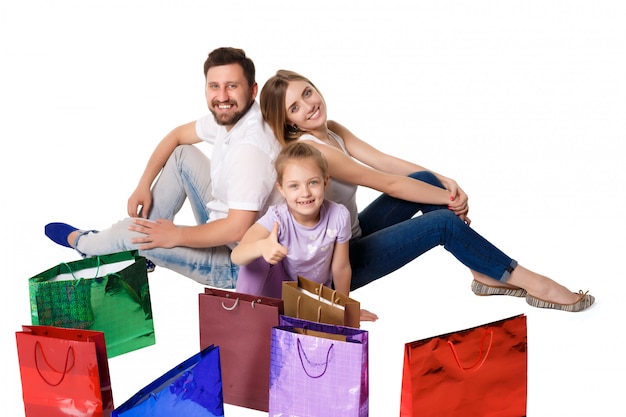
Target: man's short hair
227,56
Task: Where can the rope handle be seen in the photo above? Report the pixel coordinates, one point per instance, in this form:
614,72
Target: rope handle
231,308
480,361
252,303
319,292
79,279
333,300
66,369
302,353
319,310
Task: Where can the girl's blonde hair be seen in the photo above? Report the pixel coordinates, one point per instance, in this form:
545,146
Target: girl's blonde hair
298,151
273,106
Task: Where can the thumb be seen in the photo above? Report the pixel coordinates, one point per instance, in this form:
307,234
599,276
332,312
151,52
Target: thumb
274,234
145,210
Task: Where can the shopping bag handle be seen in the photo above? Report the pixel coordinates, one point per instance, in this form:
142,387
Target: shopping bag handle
233,306
319,310
319,290
65,370
302,353
481,357
237,302
72,272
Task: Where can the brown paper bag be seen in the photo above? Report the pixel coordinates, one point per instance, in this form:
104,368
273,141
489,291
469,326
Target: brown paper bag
241,325
306,299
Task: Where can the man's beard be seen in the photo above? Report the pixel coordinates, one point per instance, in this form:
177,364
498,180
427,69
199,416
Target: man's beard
234,117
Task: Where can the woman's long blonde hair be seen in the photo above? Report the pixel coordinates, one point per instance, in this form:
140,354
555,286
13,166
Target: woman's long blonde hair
272,103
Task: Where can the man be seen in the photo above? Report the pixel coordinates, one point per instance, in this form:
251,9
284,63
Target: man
227,193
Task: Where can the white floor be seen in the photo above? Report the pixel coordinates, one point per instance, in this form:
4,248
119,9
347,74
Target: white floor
522,103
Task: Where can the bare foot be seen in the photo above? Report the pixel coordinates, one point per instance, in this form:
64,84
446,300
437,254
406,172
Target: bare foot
542,287
71,238
484,279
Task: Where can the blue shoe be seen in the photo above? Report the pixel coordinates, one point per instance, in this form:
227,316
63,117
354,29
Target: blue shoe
150,266
58,233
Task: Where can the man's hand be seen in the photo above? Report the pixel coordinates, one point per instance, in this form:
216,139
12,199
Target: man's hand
139,203
161,233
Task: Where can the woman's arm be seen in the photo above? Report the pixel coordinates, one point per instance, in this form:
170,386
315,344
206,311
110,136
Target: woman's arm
373,157
384,163
346,169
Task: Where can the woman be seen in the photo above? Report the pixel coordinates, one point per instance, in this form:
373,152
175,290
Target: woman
386,235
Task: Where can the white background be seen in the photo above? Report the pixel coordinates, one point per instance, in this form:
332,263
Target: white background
522,102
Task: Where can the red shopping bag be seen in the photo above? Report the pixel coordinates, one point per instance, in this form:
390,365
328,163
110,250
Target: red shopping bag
241,325
65,372
477,372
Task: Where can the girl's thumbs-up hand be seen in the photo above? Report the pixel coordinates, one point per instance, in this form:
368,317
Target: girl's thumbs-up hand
273,252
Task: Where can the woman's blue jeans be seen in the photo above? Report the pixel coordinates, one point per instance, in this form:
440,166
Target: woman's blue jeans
395,232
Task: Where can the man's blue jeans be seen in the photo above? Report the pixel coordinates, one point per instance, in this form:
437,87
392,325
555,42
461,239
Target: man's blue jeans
186,175
393,235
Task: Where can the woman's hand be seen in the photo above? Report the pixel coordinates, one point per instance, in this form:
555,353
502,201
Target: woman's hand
458,199
368,316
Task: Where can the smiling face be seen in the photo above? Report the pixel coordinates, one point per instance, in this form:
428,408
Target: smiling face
305,107
303,185
228,94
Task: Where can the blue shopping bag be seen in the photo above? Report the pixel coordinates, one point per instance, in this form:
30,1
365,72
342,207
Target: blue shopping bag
191,389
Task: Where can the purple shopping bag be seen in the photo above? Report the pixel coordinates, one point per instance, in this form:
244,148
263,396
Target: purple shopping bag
318,370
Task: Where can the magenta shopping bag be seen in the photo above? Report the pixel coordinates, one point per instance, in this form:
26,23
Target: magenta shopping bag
318,370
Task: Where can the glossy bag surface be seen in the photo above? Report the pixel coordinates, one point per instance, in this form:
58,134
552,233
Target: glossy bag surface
108,293
64,372
477,372
241,325
191,389
306,299
318,370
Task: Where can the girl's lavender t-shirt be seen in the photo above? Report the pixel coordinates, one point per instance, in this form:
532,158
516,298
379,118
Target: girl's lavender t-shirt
310,249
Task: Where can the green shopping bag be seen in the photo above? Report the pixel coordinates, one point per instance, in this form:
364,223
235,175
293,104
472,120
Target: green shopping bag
107,293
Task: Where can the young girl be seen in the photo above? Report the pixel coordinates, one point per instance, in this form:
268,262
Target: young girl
387,235
305,235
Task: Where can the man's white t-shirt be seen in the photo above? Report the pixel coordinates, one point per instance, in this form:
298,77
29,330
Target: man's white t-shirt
242,164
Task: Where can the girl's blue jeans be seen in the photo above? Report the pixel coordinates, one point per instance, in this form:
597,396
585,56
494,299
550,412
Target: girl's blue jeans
395,232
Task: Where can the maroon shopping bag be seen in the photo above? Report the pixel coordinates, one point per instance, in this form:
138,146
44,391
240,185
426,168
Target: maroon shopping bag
241,325
318,370
475,372
64,372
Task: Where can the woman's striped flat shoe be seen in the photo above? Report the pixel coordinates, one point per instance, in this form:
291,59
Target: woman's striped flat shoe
483,289
585,300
